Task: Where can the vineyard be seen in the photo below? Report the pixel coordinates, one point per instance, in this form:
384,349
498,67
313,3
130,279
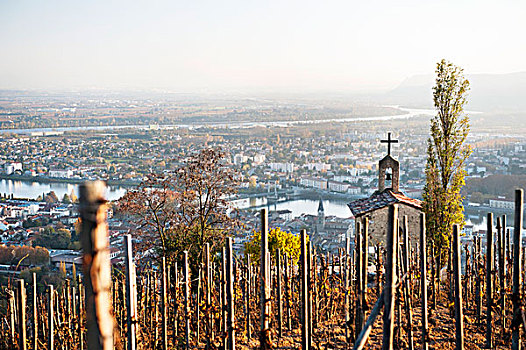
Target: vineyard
395,298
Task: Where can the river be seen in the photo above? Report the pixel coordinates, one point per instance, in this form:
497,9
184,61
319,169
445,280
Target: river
409,113
298,206
33,189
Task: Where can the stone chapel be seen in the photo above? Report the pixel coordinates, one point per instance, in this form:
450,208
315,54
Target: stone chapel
375,208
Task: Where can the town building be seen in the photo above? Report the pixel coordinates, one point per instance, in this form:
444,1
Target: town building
501,203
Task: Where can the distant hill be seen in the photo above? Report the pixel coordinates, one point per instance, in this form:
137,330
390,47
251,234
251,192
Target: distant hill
489,92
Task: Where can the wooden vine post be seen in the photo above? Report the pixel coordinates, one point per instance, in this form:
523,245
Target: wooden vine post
459,322
21,309
186,272
97,268
50,321
279,292
407,284
390,277
265,341
304,293
423,281
209,318
35,312
489,278
164,305
346,287
502,271
248,290
131,294
358,321
231,343
517,270
365,264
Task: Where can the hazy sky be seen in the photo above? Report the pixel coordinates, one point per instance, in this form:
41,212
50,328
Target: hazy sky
189,45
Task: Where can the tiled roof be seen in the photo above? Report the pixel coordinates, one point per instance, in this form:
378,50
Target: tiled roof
380,200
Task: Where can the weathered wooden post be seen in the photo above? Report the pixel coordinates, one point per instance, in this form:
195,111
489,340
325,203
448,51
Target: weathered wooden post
502,269
231,343
315,298
489,282
186,282
364,266
12,323
459,322
407,291
517,270
398,297
265,341
287,292
346,287
74,301
358,321
304,293
131,299
198,306
478,264
309,291
379,266
208,267
97,269
35,311
164,306
365,263
247,296
223,295
278,282
390,277
50,321
81,311
21,309
423,281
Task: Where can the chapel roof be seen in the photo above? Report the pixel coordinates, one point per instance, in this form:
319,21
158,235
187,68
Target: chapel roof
381,199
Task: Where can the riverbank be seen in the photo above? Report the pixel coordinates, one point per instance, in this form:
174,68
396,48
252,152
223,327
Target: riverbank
48,180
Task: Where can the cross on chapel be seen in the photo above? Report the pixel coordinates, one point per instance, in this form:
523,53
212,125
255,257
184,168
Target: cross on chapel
389,141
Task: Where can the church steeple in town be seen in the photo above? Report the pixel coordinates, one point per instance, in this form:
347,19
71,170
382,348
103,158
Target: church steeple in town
321,217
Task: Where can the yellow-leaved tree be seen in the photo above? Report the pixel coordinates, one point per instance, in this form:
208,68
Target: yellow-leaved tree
289,244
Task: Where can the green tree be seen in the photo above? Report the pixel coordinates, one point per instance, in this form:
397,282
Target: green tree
446,156
289,244
53,239
66,199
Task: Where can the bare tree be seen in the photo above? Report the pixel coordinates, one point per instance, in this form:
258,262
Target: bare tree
186,208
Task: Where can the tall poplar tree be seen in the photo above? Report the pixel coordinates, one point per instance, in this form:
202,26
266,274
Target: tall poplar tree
447,153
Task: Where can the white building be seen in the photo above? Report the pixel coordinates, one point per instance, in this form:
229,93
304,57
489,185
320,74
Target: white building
354,190
282,167
314,182
501,204
60,211
343,178
10,168
240,158
318,166
337,186
259,159
61,173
